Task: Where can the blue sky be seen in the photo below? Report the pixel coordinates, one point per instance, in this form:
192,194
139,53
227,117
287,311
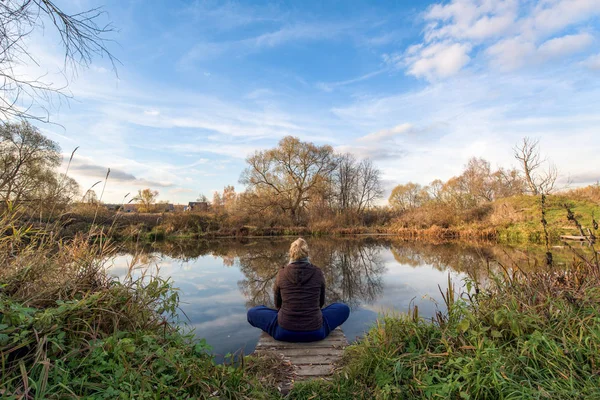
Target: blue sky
419,87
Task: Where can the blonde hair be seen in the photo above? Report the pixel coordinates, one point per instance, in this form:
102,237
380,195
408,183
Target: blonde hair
298,249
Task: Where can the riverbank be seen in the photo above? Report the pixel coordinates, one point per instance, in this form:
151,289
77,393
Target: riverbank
67,330
508,220
522,337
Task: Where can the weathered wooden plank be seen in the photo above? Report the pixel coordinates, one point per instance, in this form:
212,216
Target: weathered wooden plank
310,360
335,334
315,352
269,342
314,360
320,345
314,370
576,238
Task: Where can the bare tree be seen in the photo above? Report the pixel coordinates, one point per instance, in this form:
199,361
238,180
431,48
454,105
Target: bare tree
436,190
476,180
346,180
538,180
289,174
229,198
368,185
26,156
357,184
90,197
408,196
82,38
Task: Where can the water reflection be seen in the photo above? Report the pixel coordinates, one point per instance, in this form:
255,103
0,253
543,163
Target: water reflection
220,279
353,271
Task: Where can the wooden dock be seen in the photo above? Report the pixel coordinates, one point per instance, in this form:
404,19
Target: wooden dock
576,238
314,360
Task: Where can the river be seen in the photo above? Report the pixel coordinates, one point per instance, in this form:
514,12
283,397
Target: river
219,280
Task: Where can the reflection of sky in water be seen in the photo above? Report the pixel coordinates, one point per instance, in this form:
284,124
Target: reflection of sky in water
403,285
211,298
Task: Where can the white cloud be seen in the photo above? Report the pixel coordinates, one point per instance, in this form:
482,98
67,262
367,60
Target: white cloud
438,60
469,19
204,50
296,32
234,150
227,16
329,86
511,53
565,45
386,133
182,191
592,62
485,19
550,16
512,33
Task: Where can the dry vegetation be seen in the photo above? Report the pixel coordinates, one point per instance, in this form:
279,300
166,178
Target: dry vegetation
69,330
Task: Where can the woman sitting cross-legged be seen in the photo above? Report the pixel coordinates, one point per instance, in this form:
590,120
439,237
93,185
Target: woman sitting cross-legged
299,296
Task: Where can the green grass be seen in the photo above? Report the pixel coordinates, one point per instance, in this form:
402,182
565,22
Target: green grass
524,226
526,337
45,357
69,330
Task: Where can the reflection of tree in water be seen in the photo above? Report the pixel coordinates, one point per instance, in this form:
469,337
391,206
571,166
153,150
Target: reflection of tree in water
352,270
259,266
477,261
467,259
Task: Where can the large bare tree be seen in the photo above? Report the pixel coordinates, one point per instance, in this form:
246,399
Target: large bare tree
287,175
82,35
26,157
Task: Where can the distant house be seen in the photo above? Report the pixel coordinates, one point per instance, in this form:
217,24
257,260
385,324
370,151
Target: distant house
166,207
197,206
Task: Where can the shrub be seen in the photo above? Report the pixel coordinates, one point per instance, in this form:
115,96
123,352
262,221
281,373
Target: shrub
68,329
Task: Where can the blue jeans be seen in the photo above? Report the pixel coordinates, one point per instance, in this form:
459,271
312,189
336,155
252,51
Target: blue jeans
265,318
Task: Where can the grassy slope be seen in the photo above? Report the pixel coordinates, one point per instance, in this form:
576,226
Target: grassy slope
518,218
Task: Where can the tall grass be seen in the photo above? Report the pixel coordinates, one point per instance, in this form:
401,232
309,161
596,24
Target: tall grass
522,335
69,330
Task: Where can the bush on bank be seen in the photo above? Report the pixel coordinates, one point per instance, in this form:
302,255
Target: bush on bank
69,330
